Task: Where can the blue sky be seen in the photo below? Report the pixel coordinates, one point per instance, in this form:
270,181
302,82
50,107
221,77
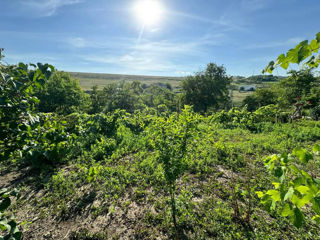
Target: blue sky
105,35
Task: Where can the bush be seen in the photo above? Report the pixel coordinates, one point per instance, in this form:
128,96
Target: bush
315,113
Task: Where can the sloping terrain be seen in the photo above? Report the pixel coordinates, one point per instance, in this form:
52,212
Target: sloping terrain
111,185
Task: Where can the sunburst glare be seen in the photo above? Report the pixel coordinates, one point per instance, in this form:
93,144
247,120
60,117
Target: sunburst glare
149,12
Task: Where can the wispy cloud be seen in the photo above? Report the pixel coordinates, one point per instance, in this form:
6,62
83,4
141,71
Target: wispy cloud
77,42
13,58
222,22
47,8
156,56
255,5
288,42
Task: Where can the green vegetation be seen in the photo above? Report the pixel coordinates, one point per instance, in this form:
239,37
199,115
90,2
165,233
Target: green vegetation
88,80
61,94
207,90
147,162
304,53
294,193
7,222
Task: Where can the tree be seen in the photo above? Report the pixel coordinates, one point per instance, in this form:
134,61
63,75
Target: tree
261,97
97,101
297,85
62,94
155,96
170,138
124,96
207,89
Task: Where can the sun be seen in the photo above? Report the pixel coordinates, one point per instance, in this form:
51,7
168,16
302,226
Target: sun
148,12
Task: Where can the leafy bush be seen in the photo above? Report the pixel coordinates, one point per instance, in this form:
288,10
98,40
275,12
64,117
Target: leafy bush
294,188
170,138
17,102
47,143
8,224
315,113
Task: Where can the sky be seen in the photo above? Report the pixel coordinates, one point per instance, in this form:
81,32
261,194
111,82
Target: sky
107,36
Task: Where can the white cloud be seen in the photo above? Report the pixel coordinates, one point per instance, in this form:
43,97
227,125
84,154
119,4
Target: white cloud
289,42
156,56
224,23
183,73
47,8
77,42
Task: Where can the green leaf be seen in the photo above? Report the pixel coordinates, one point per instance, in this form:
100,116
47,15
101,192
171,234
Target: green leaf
3,191
302,189
316,149
316,218
4,204
282,61
314,45
269,68
275,195
295,169
289,194
260,194
304,51
318,37
316,204
303,155
298,218
300,202
276,185
306,175
286,211
17,235
292,55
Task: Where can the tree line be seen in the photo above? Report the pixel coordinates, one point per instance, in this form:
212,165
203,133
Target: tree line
205,90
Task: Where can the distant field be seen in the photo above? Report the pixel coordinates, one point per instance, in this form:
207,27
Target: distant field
87,80
239,96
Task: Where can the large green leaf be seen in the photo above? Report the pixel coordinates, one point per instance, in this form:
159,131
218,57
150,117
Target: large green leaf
304,51
4,204
298,218
292,55
282,61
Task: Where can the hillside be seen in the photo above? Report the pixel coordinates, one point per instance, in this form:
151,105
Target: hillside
87,80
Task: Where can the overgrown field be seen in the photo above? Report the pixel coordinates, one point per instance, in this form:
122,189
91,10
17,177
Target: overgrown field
133,161
106,177
88,80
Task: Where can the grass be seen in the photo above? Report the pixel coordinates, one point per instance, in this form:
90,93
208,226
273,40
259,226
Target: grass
238,97
88,80
121,193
